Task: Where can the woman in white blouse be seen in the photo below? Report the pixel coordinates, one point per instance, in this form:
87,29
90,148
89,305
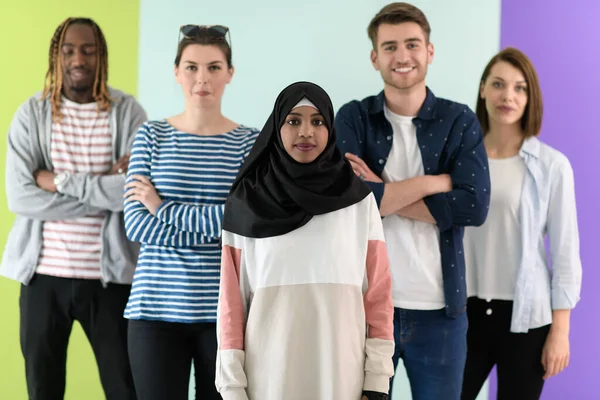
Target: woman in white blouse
519,302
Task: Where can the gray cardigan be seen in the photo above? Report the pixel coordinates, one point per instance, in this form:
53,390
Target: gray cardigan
29,139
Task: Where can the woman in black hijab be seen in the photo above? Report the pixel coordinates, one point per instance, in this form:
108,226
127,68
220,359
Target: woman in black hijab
305,307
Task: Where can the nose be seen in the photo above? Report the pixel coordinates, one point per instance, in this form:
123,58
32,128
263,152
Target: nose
402,55
202,76
78,58
508,94
306,131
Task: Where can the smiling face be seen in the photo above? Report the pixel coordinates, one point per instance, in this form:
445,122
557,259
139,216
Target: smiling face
304,134
402,55
79,59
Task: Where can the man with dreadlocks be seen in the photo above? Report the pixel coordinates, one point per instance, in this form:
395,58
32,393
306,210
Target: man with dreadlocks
67,154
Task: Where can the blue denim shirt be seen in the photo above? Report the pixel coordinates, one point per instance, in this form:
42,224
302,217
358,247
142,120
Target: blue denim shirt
451,142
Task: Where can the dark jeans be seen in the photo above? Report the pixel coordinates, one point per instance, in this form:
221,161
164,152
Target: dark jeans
517,356
161,359
433,348
49,305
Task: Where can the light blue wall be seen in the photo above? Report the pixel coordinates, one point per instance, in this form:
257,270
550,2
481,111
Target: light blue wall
276,43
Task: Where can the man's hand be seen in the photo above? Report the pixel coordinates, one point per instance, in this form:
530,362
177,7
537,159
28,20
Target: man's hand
142,190
120,166
45,180
361,170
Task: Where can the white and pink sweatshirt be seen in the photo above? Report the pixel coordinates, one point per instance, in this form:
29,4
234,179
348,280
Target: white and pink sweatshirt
308,314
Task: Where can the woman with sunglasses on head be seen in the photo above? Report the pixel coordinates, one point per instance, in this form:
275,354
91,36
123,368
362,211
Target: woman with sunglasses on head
520,304
305,307
180,173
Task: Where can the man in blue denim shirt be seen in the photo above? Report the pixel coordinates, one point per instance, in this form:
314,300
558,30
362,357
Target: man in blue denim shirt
424,159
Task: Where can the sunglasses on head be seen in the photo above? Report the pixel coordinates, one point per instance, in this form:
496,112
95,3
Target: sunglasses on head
216,32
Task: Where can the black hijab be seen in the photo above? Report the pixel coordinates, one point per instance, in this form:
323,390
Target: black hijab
273,194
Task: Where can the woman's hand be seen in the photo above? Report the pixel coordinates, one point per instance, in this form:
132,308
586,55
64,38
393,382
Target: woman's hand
142,190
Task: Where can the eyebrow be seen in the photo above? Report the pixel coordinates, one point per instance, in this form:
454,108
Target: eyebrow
409,40
300,115
83,45
500,79
210,63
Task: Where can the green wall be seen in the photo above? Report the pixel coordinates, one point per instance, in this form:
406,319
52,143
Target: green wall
26,28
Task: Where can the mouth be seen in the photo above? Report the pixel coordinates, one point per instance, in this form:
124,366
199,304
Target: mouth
305,147
505,109
403,70
79,74
202,93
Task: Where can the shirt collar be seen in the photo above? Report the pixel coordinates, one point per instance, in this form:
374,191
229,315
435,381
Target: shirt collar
531,146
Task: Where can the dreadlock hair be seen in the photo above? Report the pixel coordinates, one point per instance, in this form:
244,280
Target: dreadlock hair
53,83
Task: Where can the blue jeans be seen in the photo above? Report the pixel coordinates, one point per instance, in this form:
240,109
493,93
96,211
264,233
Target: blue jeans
434,350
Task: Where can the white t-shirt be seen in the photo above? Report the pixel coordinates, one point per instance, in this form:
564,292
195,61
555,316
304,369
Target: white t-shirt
493,250
413,246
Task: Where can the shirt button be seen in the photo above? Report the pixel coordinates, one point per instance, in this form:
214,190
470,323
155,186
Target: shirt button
389,138
489,311
381,161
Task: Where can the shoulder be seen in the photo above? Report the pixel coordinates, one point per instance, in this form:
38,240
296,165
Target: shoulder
454,111
30,109
154,128
552,158
230,239
246,133
357,107
123,100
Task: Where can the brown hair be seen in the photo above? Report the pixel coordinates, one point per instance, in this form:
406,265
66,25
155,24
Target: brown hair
54,79
397,13
221,43
531,121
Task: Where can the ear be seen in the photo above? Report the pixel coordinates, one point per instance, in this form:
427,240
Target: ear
176,72
374,60
481,92
230,72
430,53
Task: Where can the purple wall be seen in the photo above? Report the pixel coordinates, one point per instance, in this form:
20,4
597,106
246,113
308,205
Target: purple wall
563,41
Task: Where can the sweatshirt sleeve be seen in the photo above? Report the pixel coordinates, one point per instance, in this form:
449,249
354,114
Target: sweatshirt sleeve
379,309
232,312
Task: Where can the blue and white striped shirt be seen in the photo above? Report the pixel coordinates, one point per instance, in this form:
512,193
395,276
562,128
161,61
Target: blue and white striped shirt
177,274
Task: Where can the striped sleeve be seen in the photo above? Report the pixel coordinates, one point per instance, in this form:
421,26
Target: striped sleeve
250,142
140,225
232,311
205,219
379,309
190,218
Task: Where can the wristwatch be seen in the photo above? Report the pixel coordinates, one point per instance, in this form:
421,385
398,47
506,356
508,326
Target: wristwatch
60,179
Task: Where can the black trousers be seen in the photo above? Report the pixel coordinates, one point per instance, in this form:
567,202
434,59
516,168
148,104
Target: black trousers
161,359
518,356
49,305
